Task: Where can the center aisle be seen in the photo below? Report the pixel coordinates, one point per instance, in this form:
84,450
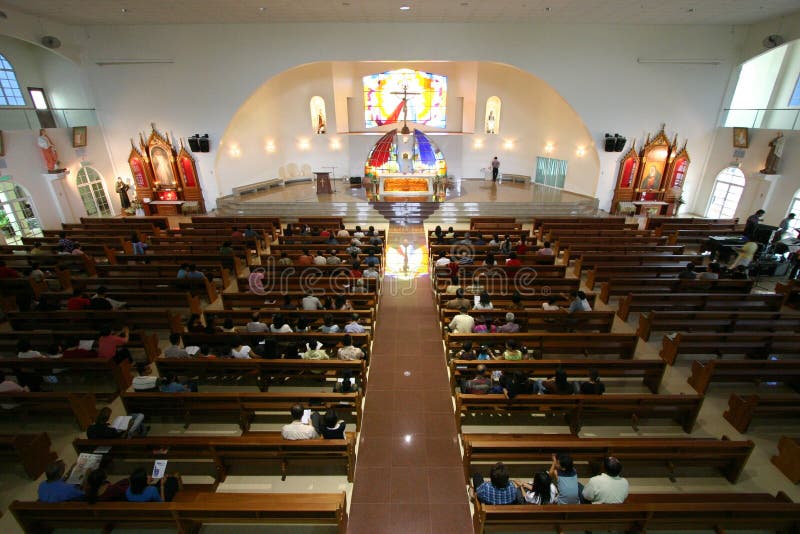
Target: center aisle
409,477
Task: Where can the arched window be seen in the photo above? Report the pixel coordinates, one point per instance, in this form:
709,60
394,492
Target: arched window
725,196
319,119
492,122
794,207
93,194
17,218
10,94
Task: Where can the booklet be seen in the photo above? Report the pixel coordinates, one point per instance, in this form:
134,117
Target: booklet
159,468
306,419
191,350
122,422
86,344
86,463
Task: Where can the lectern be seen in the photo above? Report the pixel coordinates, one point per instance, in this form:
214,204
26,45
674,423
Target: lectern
323,183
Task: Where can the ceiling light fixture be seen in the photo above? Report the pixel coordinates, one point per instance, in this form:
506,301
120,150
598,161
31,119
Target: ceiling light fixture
405,8
124,10
262,9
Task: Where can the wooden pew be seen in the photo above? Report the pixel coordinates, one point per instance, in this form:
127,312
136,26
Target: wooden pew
298,279
500,288
654,223
152,299
594,241
188,513
589,260
651,372
235,263
750,344
66,320
703,373
118,375
545,270
340,317
44,340
639,302
616,287
102,222
169,285
788,458
240,407
542,321
263,372
532,299
604,272
82,406
790,289
157,270
621,346
742,408
574,408
252,338
712,321
724,454
75,263
273,300
31,451
685,512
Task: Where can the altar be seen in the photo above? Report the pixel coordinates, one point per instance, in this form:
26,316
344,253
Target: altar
398,184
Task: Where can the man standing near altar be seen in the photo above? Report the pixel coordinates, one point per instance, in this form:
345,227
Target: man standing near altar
495,168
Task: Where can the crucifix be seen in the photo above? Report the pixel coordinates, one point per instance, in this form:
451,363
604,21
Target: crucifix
405,93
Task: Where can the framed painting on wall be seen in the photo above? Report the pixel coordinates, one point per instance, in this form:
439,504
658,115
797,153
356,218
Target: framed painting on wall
79,136
740,138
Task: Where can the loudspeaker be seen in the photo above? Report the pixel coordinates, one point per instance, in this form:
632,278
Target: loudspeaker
610,143
355,180
620,143
194,144
204,143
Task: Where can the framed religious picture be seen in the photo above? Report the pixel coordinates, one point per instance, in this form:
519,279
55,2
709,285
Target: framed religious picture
740,138
2,145
78,136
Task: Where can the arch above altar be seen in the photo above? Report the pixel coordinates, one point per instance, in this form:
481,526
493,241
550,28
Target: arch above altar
405,165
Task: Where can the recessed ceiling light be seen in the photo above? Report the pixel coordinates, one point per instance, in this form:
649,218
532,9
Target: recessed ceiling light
124,10
690,10
547,9
464,4
405,8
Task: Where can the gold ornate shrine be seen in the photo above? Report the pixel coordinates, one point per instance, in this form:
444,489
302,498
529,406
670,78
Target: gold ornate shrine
166,182
651,181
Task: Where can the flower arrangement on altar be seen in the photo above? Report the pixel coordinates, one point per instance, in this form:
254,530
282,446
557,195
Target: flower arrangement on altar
136,208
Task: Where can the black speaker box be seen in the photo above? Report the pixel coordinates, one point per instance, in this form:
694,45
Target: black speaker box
619,144
610,143
204,144
194,144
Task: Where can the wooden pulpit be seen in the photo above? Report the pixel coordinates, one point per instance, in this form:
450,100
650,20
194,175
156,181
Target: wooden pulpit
323,183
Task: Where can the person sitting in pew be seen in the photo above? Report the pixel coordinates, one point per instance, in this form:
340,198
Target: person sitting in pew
9,386
499,489
371,272
442,260
100,301
37,249
562,472
466,352
102,429
55,488
688,272
74,350
343,233
65,243
593,386
256,325
354,326
98,489
143,488
77,250
145,383
558,385
480,384
459,302
78,301
300,428
488,260
112,347
546,250
310,302
486,326
342,303
25,350
512,351
331,426
7,273
609,487
513,260
320,259
349,351
314,351
137,246
171,384
551,305
175,350
375,240
193,274
712,272
510,327
579,302
226,249
463,323
332,258
328,326
279,324
484,302
541,490
241,351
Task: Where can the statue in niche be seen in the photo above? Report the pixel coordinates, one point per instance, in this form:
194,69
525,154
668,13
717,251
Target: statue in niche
490,123
319,120
492,120
320,124
775,155
49,152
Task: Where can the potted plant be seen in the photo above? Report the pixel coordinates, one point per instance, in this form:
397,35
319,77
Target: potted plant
136,208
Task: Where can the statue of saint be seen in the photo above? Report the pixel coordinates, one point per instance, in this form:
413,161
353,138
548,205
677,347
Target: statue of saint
775,154
490,123
48,151
122,191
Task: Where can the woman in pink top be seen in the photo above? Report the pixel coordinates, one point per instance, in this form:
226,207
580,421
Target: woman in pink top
111,347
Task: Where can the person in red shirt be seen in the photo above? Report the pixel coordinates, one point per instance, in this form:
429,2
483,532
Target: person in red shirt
521,247
305,258
74,350
325,233
8,272
236,233
355,272
513,260
78,301
111,347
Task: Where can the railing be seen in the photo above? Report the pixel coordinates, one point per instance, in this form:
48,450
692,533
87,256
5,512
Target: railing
26,118
767,118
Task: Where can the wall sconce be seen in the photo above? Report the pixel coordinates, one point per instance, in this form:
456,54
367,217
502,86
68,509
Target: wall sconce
304,144
270,147
235,151
508,144
581,151
477,143
549,147
335,144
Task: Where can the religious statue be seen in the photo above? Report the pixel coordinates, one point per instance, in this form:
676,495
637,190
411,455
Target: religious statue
490,123
48,151
320,124
775,154
122,191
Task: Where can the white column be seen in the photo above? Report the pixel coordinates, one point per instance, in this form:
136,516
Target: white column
59,190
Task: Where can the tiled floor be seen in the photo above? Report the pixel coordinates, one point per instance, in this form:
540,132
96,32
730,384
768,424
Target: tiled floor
409,477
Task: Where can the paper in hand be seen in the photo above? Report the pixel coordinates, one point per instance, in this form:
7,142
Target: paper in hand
306,419
159,468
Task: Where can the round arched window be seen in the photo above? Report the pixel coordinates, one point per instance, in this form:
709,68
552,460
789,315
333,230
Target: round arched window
17,217
728,188
92,191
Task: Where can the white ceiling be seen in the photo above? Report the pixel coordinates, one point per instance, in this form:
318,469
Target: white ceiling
110,12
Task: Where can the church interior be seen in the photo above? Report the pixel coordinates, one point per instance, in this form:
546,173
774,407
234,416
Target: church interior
377,266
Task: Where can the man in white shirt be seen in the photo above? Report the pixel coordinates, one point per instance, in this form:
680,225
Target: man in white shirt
462,323
297,429
320,259
370,272
353,327
442,260
332,258
349,351
310,302
608,488
255,325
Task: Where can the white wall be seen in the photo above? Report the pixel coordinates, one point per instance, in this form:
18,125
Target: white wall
594,67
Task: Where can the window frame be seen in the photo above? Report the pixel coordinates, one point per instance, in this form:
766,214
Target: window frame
15,78
730,182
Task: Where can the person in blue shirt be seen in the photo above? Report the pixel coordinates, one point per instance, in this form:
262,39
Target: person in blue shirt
55,489
140,490
194,274
499,489
170,384
183,271
372,260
